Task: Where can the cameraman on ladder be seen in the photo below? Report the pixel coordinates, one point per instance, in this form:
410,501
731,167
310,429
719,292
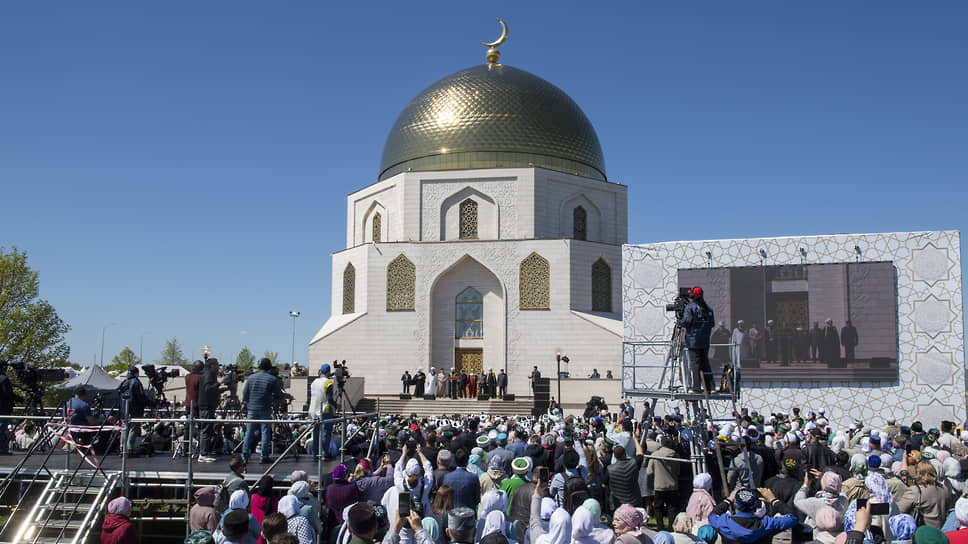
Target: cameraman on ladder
322,404
697,319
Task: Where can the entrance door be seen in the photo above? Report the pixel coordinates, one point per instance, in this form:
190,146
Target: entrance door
469,359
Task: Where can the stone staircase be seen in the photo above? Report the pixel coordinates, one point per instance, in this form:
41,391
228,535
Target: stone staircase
447,407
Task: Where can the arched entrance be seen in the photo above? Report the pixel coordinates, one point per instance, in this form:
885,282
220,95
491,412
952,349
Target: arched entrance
467,318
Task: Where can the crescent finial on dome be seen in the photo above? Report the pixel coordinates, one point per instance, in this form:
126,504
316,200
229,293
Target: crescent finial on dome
493,55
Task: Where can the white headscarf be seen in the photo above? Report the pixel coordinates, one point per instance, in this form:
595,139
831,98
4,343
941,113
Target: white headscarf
493,500
581,526
494,523
239,500
289,506
559,529
548,507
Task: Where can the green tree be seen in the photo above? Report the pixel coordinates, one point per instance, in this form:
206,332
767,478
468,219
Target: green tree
122,362
30,329
172,354
244,360
272,356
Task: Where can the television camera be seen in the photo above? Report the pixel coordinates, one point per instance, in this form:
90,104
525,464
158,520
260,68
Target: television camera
32,380
679,303
158,378
231,382
340,373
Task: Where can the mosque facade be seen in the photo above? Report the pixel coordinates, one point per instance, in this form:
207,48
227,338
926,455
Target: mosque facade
492,239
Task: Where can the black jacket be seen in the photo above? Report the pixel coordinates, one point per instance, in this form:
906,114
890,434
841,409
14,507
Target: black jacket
208,390
7,396
133,398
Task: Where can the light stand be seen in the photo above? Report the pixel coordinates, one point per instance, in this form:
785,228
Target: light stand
292,354
560,358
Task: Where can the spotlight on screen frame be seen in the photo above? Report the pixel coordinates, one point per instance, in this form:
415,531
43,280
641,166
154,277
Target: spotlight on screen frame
858,252
762,257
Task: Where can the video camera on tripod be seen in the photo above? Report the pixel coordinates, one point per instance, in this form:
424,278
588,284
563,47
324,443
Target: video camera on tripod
32,380
157,378
231,383
679,303
340,373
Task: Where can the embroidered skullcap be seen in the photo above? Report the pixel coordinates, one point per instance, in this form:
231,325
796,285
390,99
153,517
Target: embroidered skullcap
746,500
521,465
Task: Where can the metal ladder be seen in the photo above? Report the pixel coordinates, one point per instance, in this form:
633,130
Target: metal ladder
673,386
68,508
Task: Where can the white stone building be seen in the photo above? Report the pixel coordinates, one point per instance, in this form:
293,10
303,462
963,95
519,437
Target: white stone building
491,240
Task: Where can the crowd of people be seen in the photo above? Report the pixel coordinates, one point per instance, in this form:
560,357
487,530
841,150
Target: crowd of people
458,384
785,343
601,480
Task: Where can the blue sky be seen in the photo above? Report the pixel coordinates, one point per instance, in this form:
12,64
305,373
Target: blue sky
180,168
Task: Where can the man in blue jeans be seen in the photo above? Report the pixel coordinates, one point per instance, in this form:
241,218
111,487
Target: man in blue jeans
260,390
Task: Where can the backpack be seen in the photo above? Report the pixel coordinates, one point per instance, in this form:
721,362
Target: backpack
222,495
576,492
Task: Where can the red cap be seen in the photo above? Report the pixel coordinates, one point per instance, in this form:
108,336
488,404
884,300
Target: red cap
696,291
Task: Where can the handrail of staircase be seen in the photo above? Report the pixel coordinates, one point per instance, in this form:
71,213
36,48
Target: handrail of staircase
87,486
40,439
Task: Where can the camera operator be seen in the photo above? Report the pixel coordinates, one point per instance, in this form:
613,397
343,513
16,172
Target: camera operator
322,404
208,397
261,389
698,321
192,382
7,400
79,413
133,402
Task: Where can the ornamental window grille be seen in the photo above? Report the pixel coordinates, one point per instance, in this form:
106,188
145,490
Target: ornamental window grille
377,227
601,286
469,316
535,283
468,219
580,223
401,279
349,289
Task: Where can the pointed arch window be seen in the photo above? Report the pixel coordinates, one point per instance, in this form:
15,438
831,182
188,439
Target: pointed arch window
579,221
469,321
349,289
468,219
601,286
534,284
377,227
401,279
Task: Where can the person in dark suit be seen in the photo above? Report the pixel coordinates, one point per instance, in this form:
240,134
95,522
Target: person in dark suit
831,342
502,384
849,339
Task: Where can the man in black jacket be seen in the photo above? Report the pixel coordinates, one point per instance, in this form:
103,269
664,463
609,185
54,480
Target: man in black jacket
208,398
7,400
133,402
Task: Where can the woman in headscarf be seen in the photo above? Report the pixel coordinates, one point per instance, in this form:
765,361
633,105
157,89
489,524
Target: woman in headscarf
903,527
494,500
300,490
701,503
475,463
829,523
627,522
853,487
263,500
559,525
829,495
341,493
117,528
663,537
951,470
927,534
601,533
239,500
297,524
581,526
494,476
202,516
682,529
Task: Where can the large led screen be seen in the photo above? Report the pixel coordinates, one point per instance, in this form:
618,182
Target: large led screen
809,322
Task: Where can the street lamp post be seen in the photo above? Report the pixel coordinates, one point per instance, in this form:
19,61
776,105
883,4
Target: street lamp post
292,354
206,351
141,348
560,359
104,330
